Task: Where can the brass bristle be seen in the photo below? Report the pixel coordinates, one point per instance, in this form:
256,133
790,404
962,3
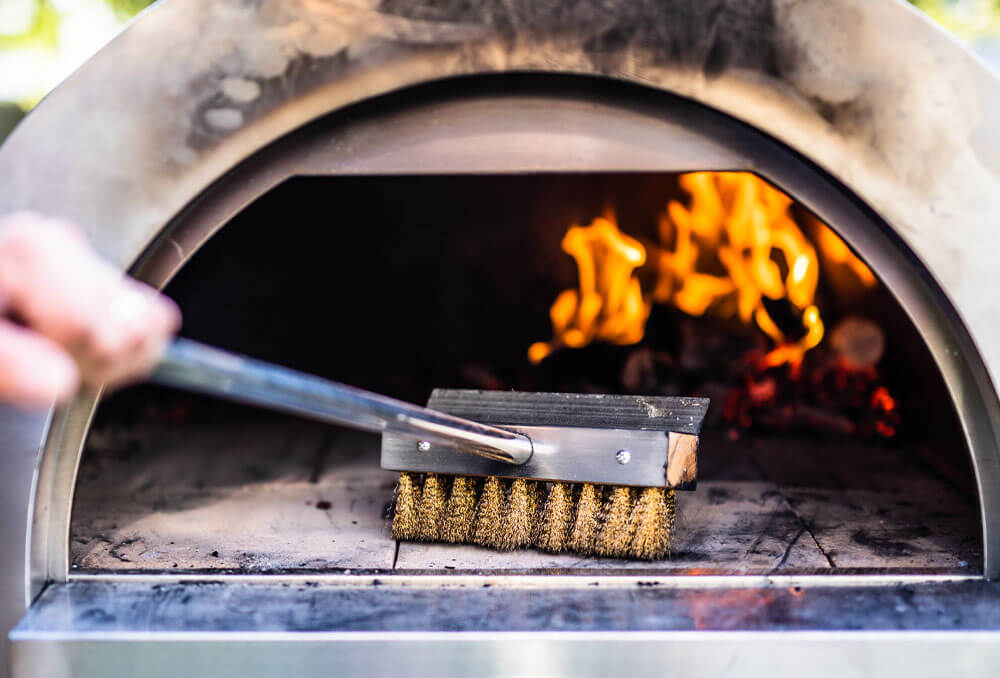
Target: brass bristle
460,515
587,522
650,524
556,526
671,502
521,516
616,533
430,510
489,513
404,520
507,515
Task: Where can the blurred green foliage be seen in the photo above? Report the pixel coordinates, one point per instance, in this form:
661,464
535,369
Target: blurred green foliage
126,9
969,20
42,30
40,41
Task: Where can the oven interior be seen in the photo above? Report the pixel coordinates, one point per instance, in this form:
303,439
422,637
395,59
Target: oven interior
849,458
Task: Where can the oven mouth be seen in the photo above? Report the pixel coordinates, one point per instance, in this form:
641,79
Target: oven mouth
845,214
809,461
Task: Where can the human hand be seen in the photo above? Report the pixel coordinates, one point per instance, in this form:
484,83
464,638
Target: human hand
67,317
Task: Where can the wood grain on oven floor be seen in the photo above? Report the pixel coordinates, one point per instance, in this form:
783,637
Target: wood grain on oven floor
276,494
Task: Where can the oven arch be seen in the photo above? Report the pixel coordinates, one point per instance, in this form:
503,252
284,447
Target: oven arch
187,145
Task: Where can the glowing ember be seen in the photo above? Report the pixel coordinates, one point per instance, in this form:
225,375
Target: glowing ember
833,395
609,305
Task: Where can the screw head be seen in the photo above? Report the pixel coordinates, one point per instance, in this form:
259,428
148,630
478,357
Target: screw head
623,456
424,445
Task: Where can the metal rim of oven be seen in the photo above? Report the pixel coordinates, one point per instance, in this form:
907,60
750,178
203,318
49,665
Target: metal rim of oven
503,653
381,626
511,111
155,83
459,579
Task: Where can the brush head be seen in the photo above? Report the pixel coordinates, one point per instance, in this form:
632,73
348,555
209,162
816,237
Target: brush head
600,481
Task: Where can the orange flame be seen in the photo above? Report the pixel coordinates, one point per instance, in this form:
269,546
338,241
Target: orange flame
837,251
609,304
735,224
735,245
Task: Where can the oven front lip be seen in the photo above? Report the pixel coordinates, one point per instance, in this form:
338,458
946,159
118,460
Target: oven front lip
836,626
161,191
489,653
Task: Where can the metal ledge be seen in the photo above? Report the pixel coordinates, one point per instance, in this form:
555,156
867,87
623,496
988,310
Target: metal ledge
818,654
259,629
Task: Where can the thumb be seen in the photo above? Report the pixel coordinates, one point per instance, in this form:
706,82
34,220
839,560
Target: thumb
34,370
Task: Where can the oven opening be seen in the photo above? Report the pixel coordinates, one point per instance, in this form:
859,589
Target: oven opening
831,444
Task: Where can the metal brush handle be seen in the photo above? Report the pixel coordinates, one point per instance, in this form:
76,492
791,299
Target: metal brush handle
194,366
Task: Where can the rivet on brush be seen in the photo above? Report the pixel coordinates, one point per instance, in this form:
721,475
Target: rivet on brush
623,457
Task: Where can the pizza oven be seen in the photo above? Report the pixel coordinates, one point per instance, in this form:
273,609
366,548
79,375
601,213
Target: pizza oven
399,196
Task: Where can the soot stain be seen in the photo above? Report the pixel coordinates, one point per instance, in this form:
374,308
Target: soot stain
689,556
880,546
96,615
718,495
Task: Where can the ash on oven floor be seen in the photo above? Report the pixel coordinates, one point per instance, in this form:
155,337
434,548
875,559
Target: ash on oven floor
276,494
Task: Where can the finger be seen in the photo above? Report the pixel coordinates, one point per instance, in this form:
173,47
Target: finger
53,280
130,369
34,370
131,337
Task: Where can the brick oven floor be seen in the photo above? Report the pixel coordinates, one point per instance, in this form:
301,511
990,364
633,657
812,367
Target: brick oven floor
277,494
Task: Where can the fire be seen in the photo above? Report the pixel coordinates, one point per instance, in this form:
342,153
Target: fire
837,251
737,249
733,249
718,254
724,258
608,304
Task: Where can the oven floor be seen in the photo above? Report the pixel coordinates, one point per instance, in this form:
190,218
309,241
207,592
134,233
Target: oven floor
278,494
